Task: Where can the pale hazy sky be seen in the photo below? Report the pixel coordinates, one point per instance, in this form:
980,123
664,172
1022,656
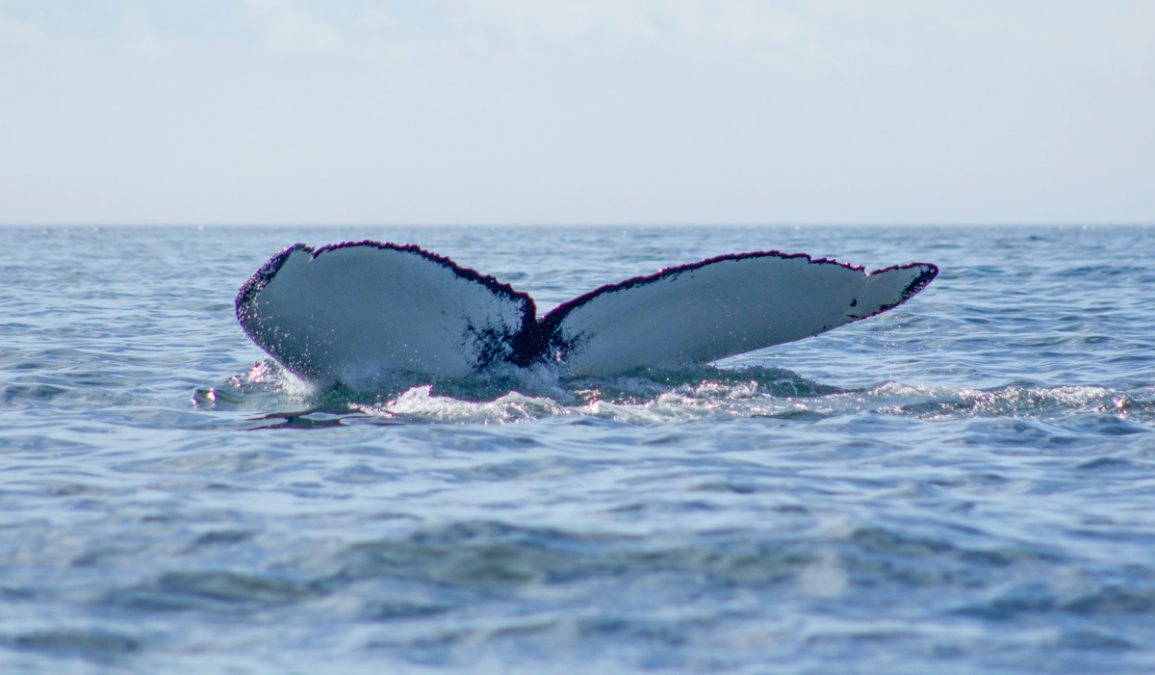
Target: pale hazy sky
594,111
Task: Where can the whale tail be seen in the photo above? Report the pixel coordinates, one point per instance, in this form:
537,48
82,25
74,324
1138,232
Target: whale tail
720,307
367,311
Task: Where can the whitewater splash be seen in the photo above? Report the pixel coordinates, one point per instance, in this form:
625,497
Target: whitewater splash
648,396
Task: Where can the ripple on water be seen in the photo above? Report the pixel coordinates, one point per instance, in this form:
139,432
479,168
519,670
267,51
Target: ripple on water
101,646
213,591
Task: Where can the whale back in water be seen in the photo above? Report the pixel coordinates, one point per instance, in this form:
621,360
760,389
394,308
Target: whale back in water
354,312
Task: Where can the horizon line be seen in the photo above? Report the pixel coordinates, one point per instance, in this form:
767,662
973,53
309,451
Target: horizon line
598,224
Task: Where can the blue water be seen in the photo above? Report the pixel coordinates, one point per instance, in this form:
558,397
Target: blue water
966,483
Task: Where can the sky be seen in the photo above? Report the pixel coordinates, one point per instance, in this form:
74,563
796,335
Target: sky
575,112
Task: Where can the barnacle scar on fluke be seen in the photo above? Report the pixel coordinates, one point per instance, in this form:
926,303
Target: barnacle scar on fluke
350,312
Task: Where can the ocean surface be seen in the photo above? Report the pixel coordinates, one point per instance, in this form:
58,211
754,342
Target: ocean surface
963,484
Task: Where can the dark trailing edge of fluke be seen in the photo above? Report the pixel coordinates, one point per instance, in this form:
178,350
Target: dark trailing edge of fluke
261,278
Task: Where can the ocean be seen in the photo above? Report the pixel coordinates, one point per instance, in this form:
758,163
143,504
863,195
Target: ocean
963,484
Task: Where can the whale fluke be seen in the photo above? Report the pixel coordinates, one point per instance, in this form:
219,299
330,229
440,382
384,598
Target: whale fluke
360,312
721,307
356,312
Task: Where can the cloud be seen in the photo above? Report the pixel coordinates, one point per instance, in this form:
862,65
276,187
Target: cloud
16,30
285,26
837,36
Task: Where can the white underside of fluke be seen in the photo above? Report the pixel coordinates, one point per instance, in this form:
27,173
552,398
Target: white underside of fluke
362,312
